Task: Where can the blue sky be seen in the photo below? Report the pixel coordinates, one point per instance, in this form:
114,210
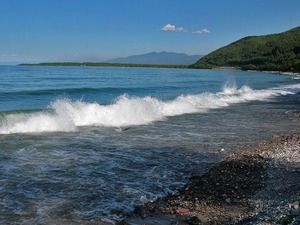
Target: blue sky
98,30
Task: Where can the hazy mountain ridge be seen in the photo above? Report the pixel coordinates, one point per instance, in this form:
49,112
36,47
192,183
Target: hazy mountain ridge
159,58
280,52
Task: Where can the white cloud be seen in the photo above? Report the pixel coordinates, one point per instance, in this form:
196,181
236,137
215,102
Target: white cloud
180,29
203,31
173,28
169,27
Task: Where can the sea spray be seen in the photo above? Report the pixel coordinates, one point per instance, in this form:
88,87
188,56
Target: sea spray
124,111
38,122
64,115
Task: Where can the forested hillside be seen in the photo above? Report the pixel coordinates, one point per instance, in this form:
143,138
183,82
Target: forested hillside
275,52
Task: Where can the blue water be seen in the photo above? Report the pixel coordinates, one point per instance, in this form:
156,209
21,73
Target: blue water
87,143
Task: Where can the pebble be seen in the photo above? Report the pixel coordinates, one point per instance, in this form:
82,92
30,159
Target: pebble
181,211
195,220
294,205
295,212
108,221
228,200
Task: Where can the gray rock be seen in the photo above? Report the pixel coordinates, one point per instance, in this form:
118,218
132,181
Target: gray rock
155,220
228,200
195,220
294,205
204,219
295,212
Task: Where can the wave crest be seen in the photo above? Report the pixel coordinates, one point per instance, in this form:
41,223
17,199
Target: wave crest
64,115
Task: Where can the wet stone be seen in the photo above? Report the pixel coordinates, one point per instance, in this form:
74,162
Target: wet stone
295,212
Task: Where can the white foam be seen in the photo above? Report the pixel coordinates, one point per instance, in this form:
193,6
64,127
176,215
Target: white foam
65,115
38,122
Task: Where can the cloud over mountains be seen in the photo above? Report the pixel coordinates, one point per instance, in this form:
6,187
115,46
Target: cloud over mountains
172,28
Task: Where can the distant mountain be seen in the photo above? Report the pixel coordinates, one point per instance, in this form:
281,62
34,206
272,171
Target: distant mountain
159,58
278,52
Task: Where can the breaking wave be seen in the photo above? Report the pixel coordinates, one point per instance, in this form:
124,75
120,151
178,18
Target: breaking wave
65,115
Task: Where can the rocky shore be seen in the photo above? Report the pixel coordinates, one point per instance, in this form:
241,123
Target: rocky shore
252,186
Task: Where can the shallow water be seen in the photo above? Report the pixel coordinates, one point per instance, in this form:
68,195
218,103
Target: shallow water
87,143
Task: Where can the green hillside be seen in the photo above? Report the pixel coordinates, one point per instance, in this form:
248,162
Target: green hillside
275,52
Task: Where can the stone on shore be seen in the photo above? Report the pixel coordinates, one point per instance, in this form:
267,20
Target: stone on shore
254,186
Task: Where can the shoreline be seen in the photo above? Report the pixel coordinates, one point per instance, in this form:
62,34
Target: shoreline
103,64
161,66
252,186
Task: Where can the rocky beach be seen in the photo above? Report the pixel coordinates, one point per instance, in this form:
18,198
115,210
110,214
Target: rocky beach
255,185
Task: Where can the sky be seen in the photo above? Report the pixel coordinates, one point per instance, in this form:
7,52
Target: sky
100,30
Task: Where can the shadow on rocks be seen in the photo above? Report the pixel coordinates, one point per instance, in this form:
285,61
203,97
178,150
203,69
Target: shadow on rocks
216,197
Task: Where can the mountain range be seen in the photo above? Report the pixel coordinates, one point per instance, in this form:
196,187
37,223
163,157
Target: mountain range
159,58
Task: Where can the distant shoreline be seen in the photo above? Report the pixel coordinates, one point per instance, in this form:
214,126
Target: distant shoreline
124,65
92,64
